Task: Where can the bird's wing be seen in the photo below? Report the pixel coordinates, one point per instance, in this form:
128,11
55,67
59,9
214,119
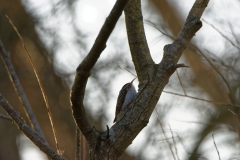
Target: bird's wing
120,100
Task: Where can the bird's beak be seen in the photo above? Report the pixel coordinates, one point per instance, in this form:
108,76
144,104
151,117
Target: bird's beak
133,80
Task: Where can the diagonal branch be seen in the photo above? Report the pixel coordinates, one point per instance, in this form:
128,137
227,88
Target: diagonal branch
137,39
216,146
83,72
28,131
137,117
100,42
5,117
19,90
224,36
190,27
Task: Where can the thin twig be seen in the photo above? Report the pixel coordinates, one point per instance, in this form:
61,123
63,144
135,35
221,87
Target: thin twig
216,146
127,71
235,114
181,83
155,26
20,92
196,122
40,84
220,74
169,144
200,99
5,117
225,94
183,144
234,34
28,131
224,36
174,143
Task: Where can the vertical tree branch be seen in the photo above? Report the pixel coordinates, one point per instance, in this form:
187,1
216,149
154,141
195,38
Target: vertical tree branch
137,39
20,92
78,145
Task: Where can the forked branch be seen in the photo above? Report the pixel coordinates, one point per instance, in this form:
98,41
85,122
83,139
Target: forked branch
83,72
152,77
156,75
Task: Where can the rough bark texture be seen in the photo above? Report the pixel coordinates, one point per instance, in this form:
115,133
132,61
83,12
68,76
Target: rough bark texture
152,77
137,39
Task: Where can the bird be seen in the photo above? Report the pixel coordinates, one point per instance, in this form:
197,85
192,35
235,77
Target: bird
125,97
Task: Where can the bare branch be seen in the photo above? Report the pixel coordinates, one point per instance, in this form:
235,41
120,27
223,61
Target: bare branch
127,71
169,144
181,83
83,72
173,51
137,39
20,92
156,27
200,99
224,36
28,131
152,81
136,118
174,143
216,146
235,114
194,48
39,82
100,42
5,117
219,73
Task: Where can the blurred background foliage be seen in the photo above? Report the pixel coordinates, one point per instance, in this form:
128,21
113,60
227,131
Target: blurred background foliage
181,127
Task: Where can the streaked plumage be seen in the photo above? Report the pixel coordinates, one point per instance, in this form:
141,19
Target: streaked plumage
126,95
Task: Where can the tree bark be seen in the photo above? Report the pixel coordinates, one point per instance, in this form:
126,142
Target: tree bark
152,77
